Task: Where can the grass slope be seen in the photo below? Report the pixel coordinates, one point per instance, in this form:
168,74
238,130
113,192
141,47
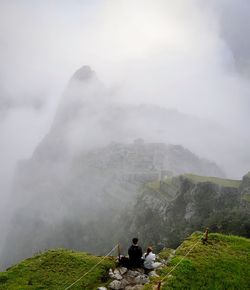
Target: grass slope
223,263
155,185
56,269
220,181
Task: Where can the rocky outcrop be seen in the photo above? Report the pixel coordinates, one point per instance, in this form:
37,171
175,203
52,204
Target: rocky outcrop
167,212
83,74
128,279
245,192
135,279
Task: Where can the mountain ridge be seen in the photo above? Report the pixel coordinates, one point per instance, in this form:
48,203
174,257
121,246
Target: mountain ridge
90,190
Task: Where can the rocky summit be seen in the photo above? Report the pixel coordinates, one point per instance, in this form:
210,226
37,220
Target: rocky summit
84,73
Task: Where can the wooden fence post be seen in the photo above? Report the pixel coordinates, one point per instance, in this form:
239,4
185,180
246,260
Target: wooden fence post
119,251
206,235
159,286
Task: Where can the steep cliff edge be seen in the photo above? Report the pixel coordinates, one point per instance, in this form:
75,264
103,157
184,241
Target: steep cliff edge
166,212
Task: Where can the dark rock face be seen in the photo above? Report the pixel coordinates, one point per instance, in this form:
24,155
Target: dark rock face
245,185
245,192
165,214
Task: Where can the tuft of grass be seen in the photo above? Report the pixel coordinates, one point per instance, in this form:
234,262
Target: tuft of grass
216,180
165,253
246,197
222,263
56,269
154,185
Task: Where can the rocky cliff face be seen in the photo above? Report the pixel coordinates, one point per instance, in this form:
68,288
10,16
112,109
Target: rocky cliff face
167,212
245,192
76,203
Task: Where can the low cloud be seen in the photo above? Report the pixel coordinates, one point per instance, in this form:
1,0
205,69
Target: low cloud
192,56
27,100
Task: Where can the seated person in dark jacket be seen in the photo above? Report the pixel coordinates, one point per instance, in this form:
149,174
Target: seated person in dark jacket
135,254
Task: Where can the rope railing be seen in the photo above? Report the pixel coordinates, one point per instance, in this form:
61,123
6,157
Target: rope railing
91,269
190,250
205,238
118,248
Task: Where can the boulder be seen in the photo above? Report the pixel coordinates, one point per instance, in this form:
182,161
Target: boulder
152,274
117,275
122,270
111,274
136,287
132,274
141,279
125,282
116,285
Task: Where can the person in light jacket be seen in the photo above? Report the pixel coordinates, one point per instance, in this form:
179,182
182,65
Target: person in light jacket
149,261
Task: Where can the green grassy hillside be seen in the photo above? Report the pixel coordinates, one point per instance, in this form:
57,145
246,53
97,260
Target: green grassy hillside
220,181
56,269
155,185
222,263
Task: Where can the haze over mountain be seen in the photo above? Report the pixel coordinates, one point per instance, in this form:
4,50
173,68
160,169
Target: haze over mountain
185,56
80,176
171,74
89,117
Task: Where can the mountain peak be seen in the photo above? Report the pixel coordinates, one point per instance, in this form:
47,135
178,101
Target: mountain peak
83,73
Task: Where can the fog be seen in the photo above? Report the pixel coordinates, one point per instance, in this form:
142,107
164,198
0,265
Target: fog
190,57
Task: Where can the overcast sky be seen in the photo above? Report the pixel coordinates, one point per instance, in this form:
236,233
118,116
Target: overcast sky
185,54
